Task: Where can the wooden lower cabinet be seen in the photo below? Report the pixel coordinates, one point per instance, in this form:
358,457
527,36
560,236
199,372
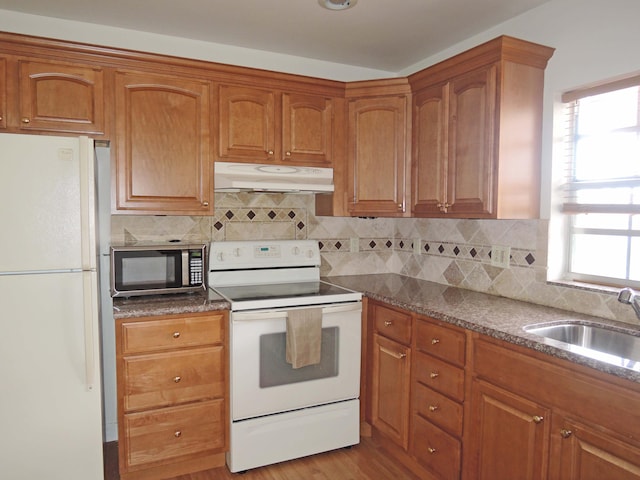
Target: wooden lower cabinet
452,404
584,451
511,433
390,401
172,394
437,392
533,416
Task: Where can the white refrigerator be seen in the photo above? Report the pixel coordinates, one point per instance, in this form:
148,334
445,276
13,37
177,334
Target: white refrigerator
50,393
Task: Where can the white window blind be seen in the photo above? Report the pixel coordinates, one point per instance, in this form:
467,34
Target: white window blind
602,182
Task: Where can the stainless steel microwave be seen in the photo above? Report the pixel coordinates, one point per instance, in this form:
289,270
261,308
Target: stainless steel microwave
157,269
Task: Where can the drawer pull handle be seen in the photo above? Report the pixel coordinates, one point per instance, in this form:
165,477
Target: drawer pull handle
537,419
388,323
434,374
177,434
176,334
399,355
177,379
431,450
565,433
433,408
435,341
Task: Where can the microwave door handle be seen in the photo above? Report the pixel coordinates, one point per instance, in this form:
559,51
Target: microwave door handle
185,268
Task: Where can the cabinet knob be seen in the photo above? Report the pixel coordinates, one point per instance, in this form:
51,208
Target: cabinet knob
0,118
270,152
177,434
431,450
434,375
205,204
402,355
388,323
288,154
435,341
25,120
537,419
565,433
177,379
433,408
176,334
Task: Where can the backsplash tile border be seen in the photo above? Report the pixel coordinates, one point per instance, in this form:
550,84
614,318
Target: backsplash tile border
452,252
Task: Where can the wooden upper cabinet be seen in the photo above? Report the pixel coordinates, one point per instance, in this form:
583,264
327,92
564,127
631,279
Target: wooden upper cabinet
453,146
472,103
3,92
430,142
307,129
163,145
266,126
246,124
60,97
477,120
376,155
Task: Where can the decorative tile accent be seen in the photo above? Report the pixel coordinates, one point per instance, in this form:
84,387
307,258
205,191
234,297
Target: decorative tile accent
452,252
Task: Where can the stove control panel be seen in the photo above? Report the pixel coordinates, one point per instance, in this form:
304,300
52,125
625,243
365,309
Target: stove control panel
263,254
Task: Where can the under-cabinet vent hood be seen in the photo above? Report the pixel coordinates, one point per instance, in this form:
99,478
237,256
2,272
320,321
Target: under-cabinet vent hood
238,177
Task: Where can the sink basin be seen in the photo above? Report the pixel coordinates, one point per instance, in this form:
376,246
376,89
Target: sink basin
612,346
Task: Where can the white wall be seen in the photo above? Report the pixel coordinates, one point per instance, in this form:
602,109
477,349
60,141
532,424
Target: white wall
15,22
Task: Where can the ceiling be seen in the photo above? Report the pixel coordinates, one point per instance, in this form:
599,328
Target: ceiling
389,35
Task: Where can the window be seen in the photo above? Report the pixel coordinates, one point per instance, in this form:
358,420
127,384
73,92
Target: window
602,183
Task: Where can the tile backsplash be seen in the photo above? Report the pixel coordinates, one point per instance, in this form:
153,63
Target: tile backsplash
447,251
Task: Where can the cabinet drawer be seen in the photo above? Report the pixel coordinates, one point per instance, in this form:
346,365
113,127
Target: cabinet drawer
164,435
435,449
439,375
181,331
438,409
162,379
442,342
393,324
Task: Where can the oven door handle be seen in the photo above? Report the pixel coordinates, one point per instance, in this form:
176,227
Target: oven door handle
282,313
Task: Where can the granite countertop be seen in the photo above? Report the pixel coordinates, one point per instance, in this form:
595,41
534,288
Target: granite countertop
491,315
149,305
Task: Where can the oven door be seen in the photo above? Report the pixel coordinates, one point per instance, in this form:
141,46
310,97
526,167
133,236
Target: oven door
262,382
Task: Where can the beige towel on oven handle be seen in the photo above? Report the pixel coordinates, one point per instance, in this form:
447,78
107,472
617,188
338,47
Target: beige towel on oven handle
304,337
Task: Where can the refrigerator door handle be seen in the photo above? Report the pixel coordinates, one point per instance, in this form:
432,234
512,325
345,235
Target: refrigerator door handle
87,203
90,304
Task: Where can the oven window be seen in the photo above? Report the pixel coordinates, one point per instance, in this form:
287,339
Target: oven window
274,370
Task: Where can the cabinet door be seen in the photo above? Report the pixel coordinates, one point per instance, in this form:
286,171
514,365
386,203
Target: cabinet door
307,125
509,437
163,154
3,93
390,389
470,169
246,124
584,452
376,155
61,97
430,137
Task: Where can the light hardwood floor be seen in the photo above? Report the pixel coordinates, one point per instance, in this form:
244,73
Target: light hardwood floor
366,461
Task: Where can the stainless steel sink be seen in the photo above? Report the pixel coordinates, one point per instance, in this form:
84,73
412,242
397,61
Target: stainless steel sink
607,344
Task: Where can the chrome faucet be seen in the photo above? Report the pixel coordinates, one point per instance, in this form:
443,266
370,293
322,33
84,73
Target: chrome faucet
630,297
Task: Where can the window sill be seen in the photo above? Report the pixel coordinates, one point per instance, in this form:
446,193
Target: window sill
589,287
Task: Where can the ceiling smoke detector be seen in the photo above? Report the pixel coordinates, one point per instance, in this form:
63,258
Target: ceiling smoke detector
337,4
